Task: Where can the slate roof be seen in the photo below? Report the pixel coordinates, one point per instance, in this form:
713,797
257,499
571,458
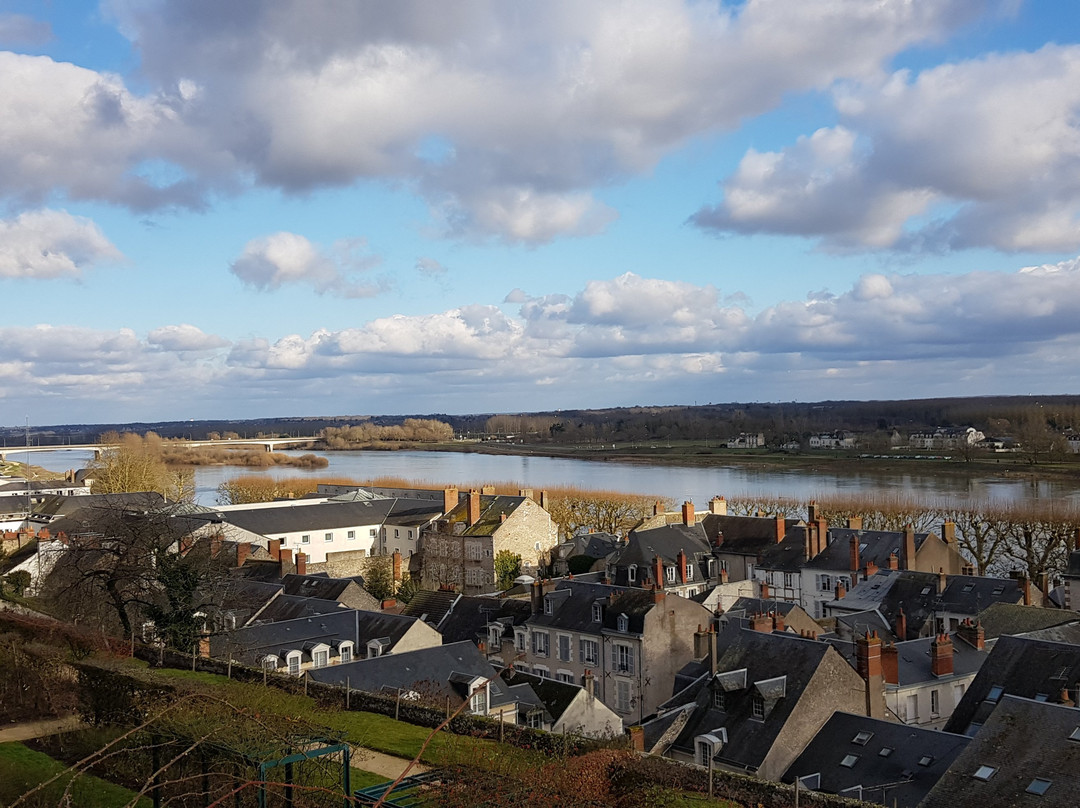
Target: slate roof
764,657
13,504
594,545
555,696
874,545
743,535
890,756
315,586
1024,741
913,659
470,615
292,607
1014,618
314,517
1019,666
642,546
759,606
492,509
788,555
852,624
427,670
431,606
573,601
58,505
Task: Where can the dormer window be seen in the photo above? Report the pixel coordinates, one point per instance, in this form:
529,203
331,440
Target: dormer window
345,652
597,612
549,606
689,572
631,573
623,623
671,575
494,637
293,660
759,707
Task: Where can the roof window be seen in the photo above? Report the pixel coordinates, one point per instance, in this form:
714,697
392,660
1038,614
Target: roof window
926,760
1075,735
1038,786
995,693
862,737
926,590
968,587
885,751
984,773
849,761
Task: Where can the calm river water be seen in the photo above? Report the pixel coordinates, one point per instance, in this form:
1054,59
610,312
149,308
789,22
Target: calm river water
678,483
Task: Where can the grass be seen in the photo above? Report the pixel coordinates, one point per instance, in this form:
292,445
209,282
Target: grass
21,769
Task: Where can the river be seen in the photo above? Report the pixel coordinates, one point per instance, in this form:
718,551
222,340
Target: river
677,482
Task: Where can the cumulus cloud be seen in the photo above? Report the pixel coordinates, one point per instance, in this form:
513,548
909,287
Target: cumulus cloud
52,244
982,153
184,338
269,262
532,107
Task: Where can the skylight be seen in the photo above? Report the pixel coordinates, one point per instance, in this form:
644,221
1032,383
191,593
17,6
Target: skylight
849,761
926,760
984,772
968,587
1075,735
885,751
1038,786
862,737
926,590
995,693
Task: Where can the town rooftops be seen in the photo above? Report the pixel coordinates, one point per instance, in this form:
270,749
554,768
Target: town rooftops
1013,618
56,506
743,535
493,510
874,546
643,546
874,760
294,518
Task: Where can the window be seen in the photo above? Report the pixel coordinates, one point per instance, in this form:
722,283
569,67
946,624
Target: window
270,663
540,643
759,707
862,738
1038,786
631,573
328,537
671,575
935,703
789,580
564,676
549,606
885,751
984,772
719,698
622,659
294,663
519,640
623,697
597,612
689,572
535,720
849,761
345,652
995,693
957,694
825,583
350,535
494,637
704,753
926,760
541,671
374,531
305,539
912,708
623,623
565,648
397,533
478,701
590,652
410,534
319,658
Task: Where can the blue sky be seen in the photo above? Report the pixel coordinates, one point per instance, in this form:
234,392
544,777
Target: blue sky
296,208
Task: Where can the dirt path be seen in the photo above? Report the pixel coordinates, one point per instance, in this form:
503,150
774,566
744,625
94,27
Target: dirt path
39,729
386,765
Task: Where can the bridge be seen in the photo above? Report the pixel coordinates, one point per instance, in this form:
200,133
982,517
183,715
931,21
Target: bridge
269,444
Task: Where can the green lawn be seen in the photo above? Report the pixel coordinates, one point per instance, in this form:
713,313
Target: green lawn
21,769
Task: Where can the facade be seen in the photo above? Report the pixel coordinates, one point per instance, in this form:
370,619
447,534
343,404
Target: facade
677,558
747,440
946,438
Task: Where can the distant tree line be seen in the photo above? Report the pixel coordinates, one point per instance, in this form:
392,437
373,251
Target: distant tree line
412,430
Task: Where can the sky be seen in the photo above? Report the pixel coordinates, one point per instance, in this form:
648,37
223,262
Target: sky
255,209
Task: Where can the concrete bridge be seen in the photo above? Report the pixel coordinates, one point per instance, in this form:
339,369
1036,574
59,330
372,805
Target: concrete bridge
269,444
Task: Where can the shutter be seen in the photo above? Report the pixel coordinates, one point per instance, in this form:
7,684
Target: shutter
614,657
631,652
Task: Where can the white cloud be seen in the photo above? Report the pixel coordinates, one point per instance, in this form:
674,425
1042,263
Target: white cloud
269,262
52,244
982,153
184,338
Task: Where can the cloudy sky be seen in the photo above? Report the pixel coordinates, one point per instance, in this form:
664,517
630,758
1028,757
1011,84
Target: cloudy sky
248,208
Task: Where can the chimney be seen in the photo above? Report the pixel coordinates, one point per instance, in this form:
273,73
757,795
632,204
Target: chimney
840,591
967,569
243,550
723,575
868,664
285,562
948,532
890,664
761,622
777,621
1044,587
942,581
894,562
812,511
525,492
473,515
1025,584
853,554
701,643
588,683
637,738
765,591
781,527
657,508
941,656
688,517
658,595
1065,699
544,500
388,603
274,547
854,523
907,551
658,572
395,559
1076,539
537,597
301,563
718,506
871,569
714,655
450,499
502,517
972,633
204,646
808,546
682,566
901,625
822,534
487,490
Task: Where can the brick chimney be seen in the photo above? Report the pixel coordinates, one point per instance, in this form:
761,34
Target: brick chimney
1066,700
1025,584
657,508
822,534
390,603
854,523
907,550
894,562
941,656
765,593
761,622
688,517
658,595
853,554
588,684
301,563
840,591
811,511
487,490
525,492
942,580
450,499
274,548
536,597
637,738
682,566
544,500
723,576
890,663
871,569
1044,587
285,562
718,506
1076,539
868,665
781,527
395,560
658,572
473,515
972,633
778,621
901,625
808,545
243,550
948,532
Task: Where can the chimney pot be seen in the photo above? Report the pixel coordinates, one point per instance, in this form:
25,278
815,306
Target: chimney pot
301,564
688,517
941,656
473,515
